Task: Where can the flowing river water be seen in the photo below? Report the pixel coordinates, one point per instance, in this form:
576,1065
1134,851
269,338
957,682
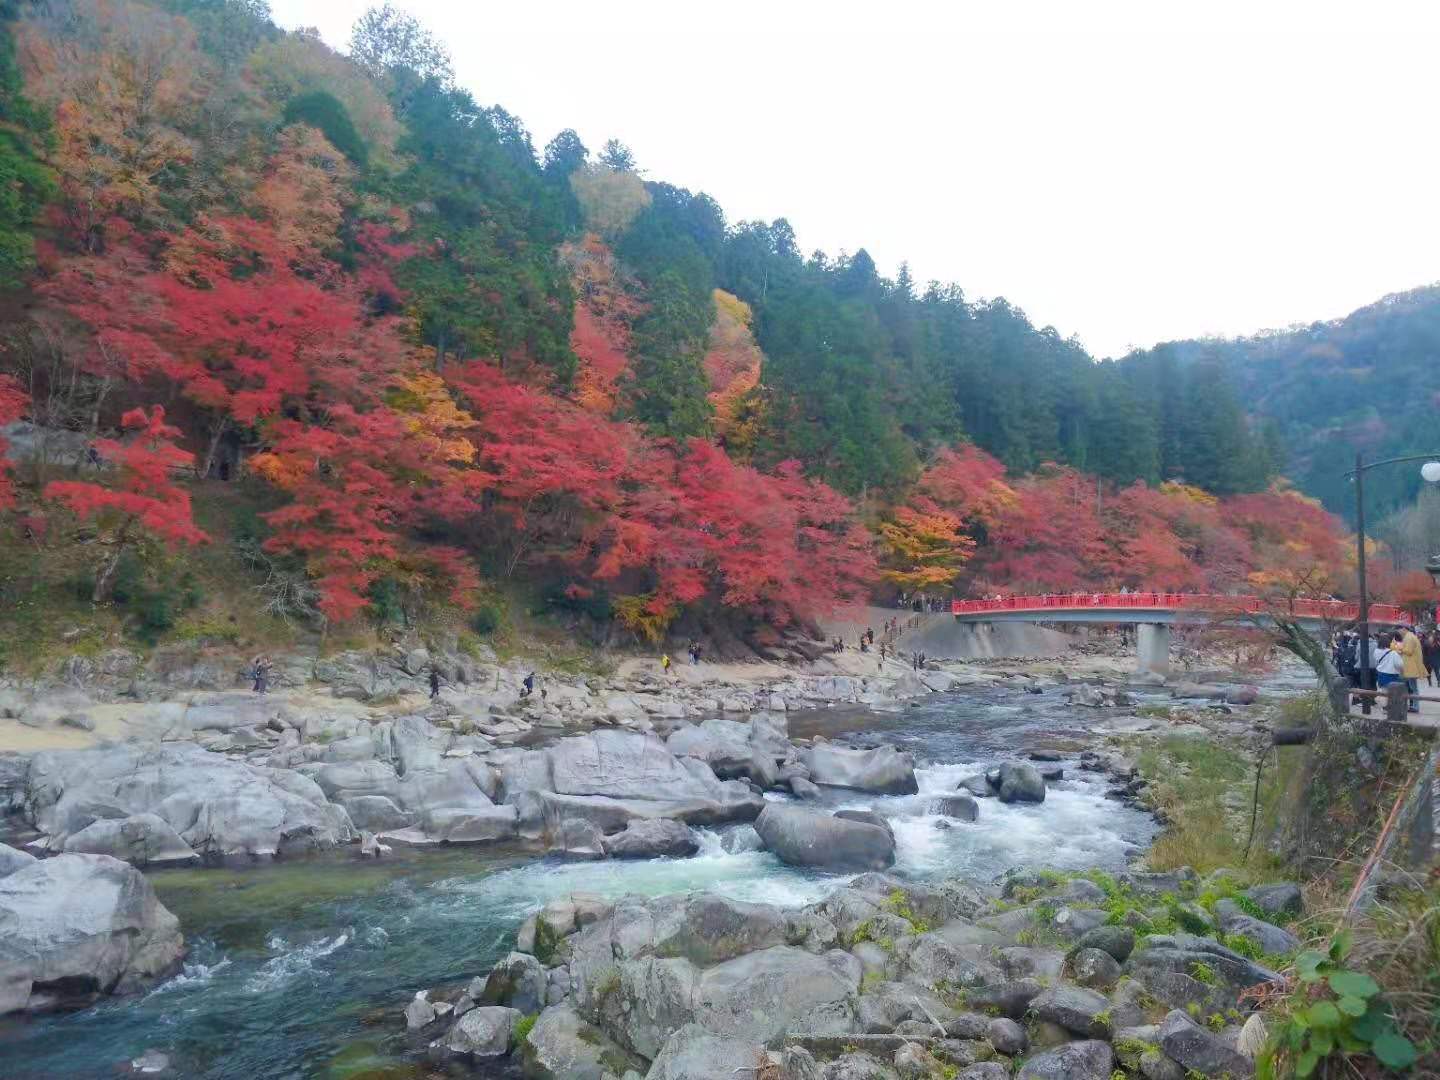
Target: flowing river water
300,970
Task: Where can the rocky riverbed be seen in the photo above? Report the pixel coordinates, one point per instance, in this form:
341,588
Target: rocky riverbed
776,788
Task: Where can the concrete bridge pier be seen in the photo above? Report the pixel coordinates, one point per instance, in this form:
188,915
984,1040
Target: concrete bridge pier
1152,644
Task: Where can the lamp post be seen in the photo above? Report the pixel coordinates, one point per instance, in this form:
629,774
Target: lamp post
1429,471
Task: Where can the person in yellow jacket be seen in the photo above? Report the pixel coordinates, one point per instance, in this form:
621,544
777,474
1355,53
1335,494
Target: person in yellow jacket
1410,651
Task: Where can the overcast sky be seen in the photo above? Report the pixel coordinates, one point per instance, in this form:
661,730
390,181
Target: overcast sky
1122,172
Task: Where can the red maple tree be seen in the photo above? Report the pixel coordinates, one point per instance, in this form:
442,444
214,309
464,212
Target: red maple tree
145,500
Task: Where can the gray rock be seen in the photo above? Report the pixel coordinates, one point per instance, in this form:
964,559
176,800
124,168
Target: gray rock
81,721
518,981
378,813
217,805
693,1053
804,789
1154,1065
977,786
652,839
419,1013
763,995
1095,969
1283,898
796,1063
984,1070
1075,1009
1199,1049
562,1046
805,837
12,859
1006,1036
643,779
1268,937
578,839
1118,941
957,806
1021,783
1091,1060
858,1066
914,1062
483,1032
866,817
81,924
142,839
1011,998
1019,962
1181,952
883,769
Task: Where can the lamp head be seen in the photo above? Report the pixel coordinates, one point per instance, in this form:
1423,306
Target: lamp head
1432,567
1431,471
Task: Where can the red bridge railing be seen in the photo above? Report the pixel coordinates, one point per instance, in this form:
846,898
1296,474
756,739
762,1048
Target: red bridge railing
1330,610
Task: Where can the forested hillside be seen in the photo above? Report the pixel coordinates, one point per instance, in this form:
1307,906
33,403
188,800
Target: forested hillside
1367,382
395,354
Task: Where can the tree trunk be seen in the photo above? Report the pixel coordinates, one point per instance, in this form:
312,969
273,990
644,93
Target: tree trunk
106,576
209,463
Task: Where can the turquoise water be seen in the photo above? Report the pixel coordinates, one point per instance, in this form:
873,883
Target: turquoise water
300,970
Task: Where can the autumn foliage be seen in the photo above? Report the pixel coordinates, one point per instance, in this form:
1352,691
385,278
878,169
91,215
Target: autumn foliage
294,307
144,501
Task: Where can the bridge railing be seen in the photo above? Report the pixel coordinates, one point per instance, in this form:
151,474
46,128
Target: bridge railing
1213,603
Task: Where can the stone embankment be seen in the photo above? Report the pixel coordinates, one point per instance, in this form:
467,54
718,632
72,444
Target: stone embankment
1038,975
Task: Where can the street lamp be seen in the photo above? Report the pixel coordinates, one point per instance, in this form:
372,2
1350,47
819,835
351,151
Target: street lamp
1429,471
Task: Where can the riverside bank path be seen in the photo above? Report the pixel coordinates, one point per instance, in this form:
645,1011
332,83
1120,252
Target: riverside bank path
1155,612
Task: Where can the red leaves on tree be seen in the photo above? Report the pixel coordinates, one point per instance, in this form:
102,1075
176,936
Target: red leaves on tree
676,525
13,400
145,495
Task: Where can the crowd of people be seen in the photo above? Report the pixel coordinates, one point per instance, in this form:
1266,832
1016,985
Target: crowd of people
1404,655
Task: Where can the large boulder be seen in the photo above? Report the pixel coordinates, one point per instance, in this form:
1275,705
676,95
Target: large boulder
693,1053
652,839
634,775
1021,783
483,1032
883,769
1180,953
1201,1050
763,995
562,1046
1267,937
81,925
215,804
142,839
12,859
1087,1060
802,836
517,981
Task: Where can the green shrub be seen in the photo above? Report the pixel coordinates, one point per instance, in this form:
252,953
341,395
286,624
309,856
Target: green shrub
523,1027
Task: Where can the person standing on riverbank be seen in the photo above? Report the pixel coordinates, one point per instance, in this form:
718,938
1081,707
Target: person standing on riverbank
260,671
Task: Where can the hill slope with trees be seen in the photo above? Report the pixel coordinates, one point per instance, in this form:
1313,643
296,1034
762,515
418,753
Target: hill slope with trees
397,357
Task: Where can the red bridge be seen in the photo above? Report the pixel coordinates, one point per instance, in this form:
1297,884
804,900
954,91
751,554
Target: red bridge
1155,612
1143,607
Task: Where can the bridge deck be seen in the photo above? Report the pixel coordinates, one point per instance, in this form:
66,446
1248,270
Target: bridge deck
1161,607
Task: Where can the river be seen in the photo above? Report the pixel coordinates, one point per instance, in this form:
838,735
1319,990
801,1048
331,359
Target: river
300,970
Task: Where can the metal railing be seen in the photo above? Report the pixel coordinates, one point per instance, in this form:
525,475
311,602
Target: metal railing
1338,611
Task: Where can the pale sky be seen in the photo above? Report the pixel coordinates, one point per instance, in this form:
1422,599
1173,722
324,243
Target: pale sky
1128,172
